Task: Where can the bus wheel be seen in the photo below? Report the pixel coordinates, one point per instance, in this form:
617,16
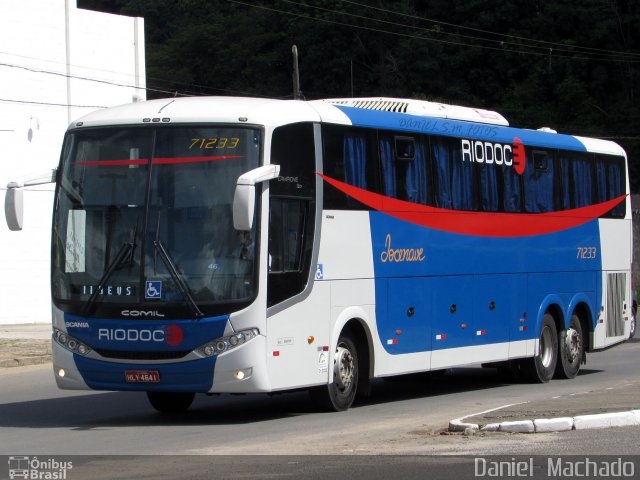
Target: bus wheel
171,402
339,394
571,350
541,367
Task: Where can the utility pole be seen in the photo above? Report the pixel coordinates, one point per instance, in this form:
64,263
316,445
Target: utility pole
296,74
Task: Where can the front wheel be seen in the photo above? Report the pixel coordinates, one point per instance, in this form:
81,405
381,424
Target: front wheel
339,394
570,350
171,402
541,367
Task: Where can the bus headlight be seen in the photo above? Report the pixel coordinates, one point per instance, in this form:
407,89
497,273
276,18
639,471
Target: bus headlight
70,343
224,344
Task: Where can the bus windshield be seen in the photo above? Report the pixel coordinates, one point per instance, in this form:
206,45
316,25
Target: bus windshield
144,216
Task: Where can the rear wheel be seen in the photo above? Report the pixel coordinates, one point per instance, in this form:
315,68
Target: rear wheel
339,394
570,350
171,402
541,367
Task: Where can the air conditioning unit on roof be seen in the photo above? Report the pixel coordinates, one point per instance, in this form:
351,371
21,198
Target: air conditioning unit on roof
423,108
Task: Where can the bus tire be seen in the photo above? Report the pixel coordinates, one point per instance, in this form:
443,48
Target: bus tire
339,393
171,402
542,366
570,350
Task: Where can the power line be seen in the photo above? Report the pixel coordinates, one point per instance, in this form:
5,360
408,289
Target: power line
430,39
546,49
51,104
88,79
438,22
146,88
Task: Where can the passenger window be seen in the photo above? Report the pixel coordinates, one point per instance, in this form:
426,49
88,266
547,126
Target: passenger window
404,169
539,186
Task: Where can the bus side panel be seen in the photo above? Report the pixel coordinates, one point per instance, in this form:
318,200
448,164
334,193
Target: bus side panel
616,251
297,337
499,306
547,290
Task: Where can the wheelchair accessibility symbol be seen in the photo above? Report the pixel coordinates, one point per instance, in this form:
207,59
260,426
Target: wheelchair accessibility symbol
153,290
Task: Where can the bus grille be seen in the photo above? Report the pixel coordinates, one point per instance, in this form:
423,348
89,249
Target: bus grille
129,355
615,303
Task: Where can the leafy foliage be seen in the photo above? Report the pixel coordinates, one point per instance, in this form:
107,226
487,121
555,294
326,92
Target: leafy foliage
572,66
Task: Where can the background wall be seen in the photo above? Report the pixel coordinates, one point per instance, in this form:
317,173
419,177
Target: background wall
57,63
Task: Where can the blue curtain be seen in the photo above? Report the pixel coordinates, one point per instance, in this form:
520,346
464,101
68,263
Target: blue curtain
615,180
601,181
538,185
416,181
565,200
489,188
388,162
442,169
512,190
462,185
582,185
355,160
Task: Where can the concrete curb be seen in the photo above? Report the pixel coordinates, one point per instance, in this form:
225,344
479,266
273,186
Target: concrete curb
24,361
459,425
547,425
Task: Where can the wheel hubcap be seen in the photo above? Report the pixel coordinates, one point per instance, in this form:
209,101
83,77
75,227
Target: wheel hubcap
572,342
344,368
546,347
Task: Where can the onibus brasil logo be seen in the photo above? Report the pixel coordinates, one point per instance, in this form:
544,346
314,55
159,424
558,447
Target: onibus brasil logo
38,469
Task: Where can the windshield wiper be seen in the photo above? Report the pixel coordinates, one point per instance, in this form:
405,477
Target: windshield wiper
177,277
125,250
125,253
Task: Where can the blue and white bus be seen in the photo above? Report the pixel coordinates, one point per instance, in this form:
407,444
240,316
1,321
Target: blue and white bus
237,245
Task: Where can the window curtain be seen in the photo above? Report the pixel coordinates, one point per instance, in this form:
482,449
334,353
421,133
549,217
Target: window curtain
442,170
355,160
582,189
512,190
538,187
489,186
565,201
388,163
416,181
462,185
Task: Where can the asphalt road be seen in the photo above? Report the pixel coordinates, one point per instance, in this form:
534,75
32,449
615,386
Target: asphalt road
404,417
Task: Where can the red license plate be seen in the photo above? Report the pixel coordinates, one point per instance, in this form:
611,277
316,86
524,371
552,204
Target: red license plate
142,376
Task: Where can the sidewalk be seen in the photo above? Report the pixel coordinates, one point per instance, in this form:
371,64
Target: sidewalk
614,406
27,344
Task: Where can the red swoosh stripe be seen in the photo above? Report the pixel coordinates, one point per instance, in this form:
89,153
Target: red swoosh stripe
482,224
156,161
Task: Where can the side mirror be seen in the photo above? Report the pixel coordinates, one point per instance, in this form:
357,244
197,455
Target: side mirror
14,202
14,206
244,199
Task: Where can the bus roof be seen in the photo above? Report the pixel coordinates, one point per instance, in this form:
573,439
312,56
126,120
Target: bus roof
379,112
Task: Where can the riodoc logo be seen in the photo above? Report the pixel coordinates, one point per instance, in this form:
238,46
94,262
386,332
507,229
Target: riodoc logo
172,335
477,151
